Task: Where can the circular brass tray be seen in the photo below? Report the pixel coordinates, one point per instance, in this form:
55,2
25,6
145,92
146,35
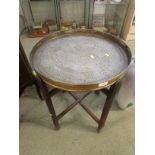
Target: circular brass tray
82,60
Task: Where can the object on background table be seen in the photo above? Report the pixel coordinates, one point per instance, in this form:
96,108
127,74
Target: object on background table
51,24
101,29
38,26
112,30
74,25
63,28
70,25
126,94
83,27
66,25
39,32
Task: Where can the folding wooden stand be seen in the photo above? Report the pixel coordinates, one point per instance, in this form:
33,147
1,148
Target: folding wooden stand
110,93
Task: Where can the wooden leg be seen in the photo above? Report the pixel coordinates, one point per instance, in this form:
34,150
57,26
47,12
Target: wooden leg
107,106
36,82
50,105
97,92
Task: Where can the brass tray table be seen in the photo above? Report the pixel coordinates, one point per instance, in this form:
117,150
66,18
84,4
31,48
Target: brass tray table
84,60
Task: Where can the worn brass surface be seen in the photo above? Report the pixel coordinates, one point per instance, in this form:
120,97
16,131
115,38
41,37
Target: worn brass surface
86,87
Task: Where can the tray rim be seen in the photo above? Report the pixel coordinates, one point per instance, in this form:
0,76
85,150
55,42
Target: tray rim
81,87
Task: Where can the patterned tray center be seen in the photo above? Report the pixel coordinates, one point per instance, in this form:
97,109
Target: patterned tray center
80,60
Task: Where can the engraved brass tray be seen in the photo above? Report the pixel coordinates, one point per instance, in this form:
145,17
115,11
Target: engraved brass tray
83,60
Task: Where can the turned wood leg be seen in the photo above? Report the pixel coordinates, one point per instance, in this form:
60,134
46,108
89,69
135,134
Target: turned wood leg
107,106
38,88
97,92
50,105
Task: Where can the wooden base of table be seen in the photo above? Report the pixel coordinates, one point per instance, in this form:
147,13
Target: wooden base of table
110,93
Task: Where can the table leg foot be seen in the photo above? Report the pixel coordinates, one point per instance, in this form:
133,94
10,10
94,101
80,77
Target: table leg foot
98,130
107,106
57,127
97,92
56,124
